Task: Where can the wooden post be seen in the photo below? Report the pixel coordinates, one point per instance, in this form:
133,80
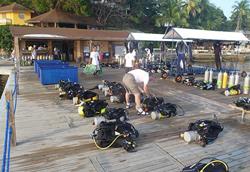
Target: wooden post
50,48
17,61
77,54
9,98
90,45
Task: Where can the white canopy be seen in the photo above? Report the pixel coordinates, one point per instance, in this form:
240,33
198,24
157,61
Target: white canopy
149,37
195,34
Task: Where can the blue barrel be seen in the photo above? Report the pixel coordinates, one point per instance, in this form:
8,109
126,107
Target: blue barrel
52,75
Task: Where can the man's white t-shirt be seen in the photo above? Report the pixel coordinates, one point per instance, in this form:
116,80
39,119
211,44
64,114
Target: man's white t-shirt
141,76
94,56
129,58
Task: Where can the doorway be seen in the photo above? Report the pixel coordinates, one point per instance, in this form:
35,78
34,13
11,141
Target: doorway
65,49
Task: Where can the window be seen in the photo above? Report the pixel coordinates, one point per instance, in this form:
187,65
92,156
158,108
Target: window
21,15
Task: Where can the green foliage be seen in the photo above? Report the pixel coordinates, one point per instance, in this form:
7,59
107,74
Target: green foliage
6,40
170,14
150,15
241,15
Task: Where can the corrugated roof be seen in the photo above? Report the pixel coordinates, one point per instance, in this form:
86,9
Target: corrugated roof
195,34
59,16
67,33
14,7
149,37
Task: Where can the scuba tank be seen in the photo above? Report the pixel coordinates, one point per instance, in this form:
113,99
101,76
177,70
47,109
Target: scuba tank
231,80
206,76
237,78
224,80
98,120
246,85
114,99
211,76
219,80
190,136
156,115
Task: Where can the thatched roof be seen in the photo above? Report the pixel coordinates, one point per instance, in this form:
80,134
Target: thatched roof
58,16
14,7
68,33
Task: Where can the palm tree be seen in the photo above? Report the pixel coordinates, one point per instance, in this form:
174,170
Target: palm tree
170,13
192,7
240,11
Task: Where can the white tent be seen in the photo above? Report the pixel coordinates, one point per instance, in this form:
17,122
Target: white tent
149,37
195,34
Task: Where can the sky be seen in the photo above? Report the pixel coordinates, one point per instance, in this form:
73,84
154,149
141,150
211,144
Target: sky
225,5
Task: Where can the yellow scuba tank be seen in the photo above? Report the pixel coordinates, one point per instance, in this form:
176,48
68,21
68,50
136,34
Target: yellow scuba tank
219,80
81,111
224,80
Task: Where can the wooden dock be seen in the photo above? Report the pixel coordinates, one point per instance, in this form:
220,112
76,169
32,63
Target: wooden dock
52,137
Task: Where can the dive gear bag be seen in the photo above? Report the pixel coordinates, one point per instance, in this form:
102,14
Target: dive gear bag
92,108
208,165
208,130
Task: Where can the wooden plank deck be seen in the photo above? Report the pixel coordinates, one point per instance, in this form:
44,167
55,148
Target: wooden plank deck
52,137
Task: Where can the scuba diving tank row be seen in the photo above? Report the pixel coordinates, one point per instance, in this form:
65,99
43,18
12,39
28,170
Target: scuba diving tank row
223,81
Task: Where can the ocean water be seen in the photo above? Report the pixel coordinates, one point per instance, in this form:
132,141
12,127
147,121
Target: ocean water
242,66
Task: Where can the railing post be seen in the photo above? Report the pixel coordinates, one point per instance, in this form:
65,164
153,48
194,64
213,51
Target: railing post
12,120
17,70
6,138
12,125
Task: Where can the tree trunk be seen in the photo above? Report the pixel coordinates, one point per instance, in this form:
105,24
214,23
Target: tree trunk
238,23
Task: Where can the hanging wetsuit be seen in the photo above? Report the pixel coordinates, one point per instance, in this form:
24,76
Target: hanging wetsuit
217,55
181,49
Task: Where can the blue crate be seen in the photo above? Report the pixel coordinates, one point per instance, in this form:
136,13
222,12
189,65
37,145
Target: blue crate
53,65
53,75
38,62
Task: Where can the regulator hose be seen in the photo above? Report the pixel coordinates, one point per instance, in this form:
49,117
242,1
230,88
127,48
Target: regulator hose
215,161
105,148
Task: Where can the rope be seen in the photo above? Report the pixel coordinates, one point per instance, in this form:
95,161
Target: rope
6,137
8,131
104,148
8,158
